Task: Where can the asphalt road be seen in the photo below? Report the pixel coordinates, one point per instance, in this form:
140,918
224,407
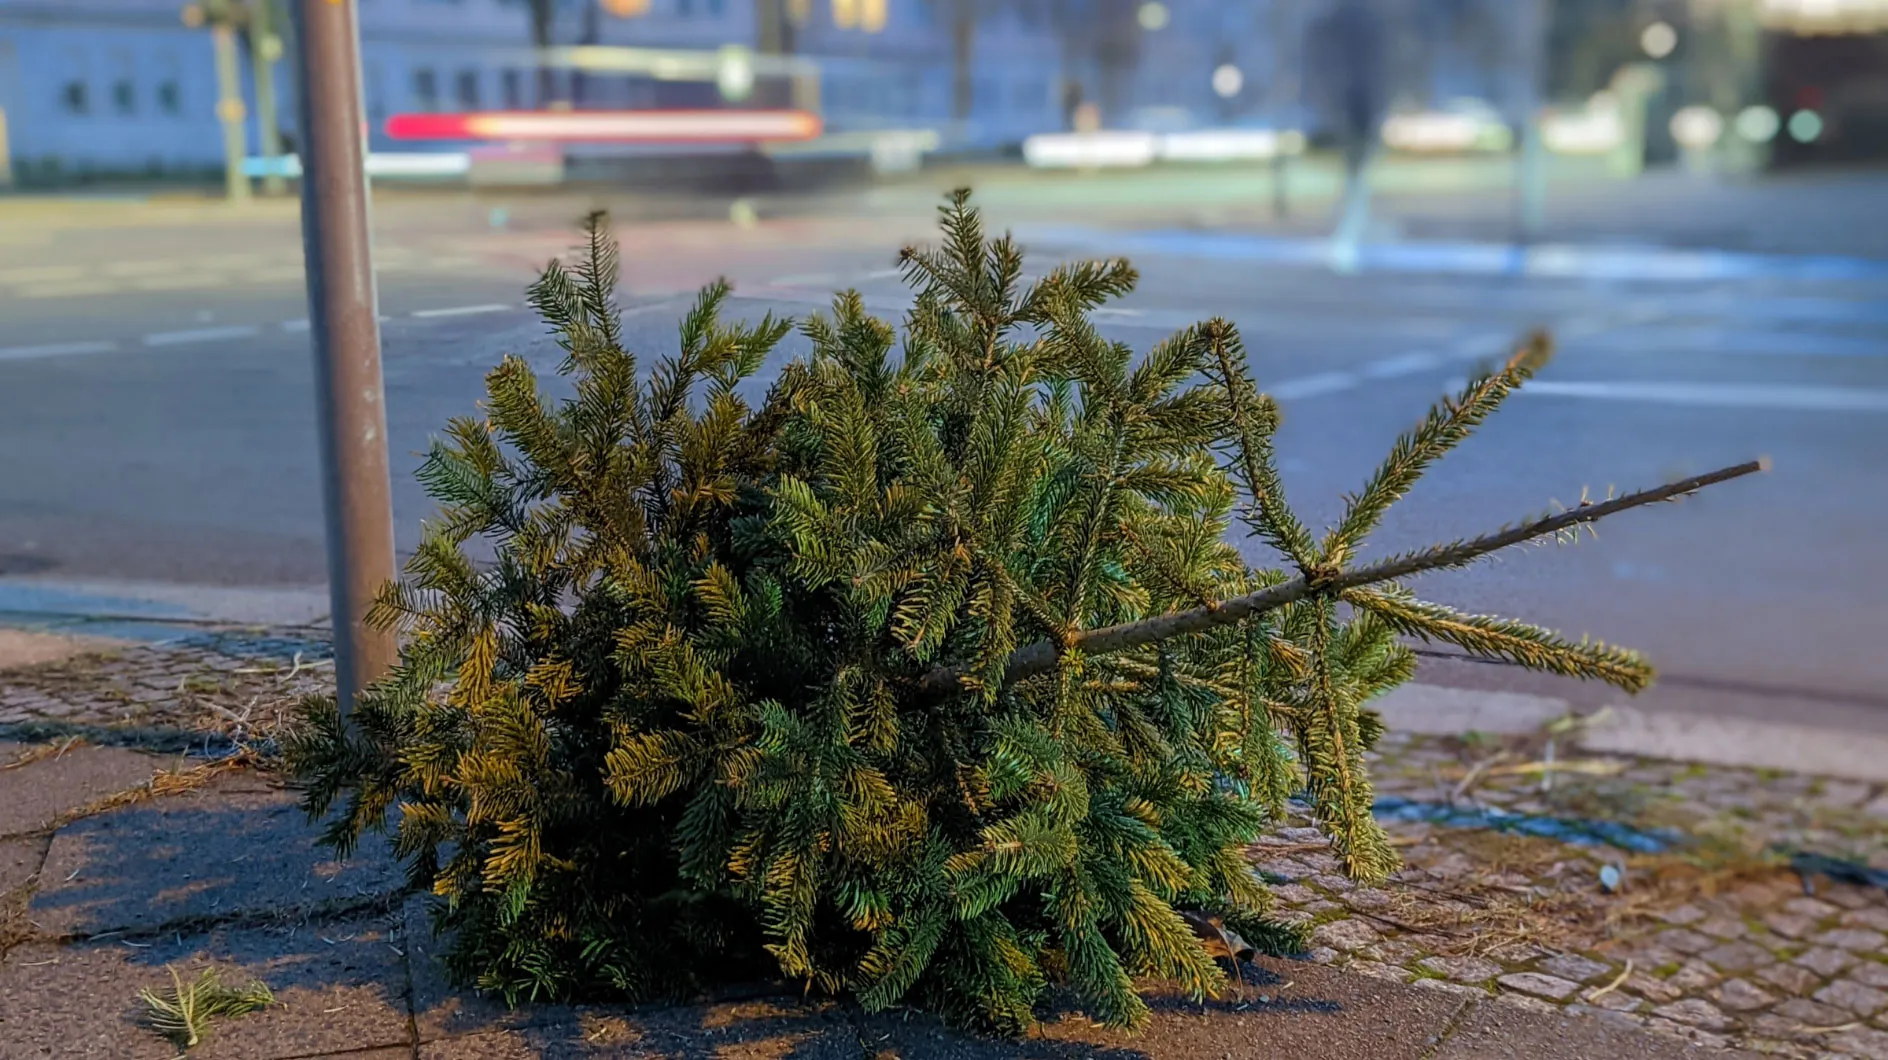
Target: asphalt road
156,412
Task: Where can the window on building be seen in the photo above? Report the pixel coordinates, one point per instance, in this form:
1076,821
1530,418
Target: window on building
170,98
469,89
717,8
512,84
124,98
684,8
425,89
73,98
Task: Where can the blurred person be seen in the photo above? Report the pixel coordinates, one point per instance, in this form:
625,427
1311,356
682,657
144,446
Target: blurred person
1345,80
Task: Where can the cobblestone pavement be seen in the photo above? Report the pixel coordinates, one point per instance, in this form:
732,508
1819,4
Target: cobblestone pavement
232,682
1508,892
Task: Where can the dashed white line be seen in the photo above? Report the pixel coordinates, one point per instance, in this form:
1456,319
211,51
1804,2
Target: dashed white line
54,349
461,310
806,279
1408,364
1720,395
177,338
1313,385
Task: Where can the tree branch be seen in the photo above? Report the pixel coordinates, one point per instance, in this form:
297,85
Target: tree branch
1040,658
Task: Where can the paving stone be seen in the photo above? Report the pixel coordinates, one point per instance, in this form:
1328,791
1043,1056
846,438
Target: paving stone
1322,955
1311,1014
1368,898
1874,918
1443,986
1825,962
1858,939
1694,1012
1685,941
35,795
1575,967
770,1029
1738,995
1463,969
19,860
1334,883
1793,978
1380,970
1658,990
1294,893
1851,995
1813,1013
1683,916
338,987
1346,935
1616,1000
1542,985
1531,1004
1870,973
1791,925
1723,927
1849,896
1395,951
1737,957
1863,1042
234,847
1694,977
1508,1032
1811,907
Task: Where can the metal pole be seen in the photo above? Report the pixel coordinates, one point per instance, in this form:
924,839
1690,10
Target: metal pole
229,109
343,317
264,49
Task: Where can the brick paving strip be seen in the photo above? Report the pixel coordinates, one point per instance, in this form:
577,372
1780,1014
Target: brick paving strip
119,855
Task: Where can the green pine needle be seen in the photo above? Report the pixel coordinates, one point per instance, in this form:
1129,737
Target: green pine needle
185,1013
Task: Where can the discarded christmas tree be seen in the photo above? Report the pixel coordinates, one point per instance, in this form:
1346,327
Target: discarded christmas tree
931,677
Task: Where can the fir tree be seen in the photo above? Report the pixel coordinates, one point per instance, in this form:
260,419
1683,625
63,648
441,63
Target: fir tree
932,675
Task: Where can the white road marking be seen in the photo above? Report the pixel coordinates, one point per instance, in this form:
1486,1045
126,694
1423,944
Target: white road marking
1721,395
461,310
1408,364
54,349
184,282
156,267
42,273
178,338
806,279
1312,385
76,289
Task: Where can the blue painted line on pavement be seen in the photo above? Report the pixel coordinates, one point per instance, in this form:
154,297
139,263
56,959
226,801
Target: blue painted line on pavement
1646,263
1577,831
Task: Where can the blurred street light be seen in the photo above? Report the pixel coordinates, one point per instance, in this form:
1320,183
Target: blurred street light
1153,16
1805,126
1758,124
625,8
1697,128
735,78
1659,40
1227,81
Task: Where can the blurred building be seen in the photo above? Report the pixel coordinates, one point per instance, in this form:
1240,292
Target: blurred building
125,87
